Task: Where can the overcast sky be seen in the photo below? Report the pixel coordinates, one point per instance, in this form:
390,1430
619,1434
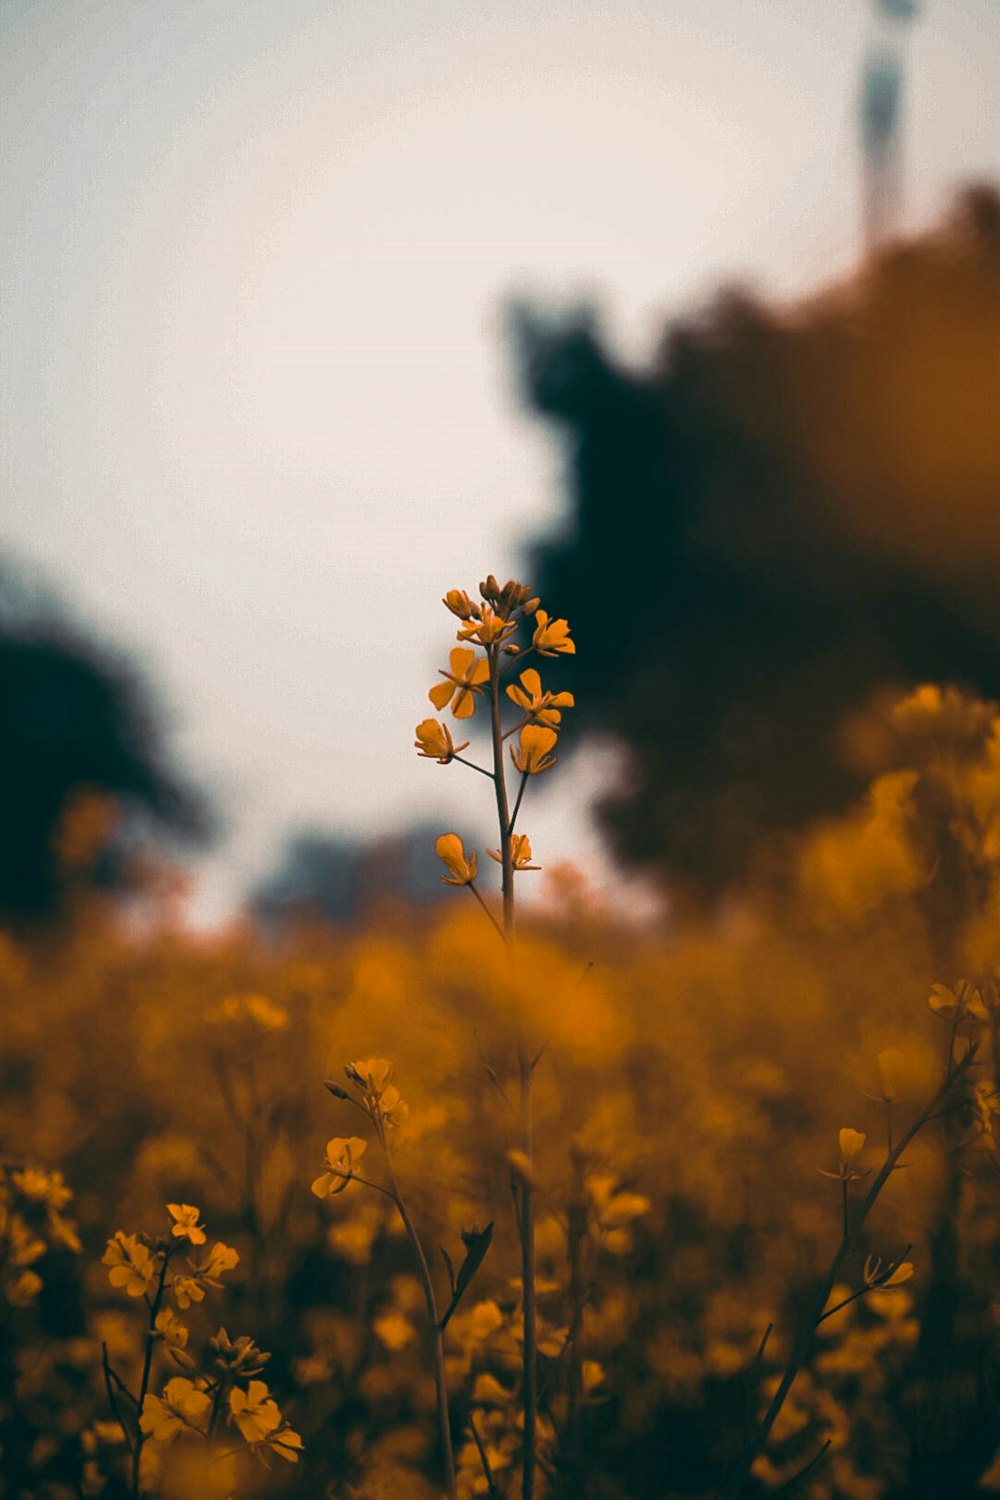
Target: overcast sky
257,413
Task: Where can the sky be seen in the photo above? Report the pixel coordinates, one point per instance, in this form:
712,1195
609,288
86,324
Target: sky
258,411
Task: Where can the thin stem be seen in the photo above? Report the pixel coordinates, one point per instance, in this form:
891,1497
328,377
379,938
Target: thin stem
526,1216
154,1308
484,1458
475,891
472,766
437,1341
517,804
112,1398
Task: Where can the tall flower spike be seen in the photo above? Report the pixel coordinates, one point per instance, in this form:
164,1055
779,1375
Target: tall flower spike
551,637
435,742
463,681
532,756
449,850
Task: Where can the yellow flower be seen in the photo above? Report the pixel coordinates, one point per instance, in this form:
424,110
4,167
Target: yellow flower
286,1443
131,1264
186,1225
451,853
23,1290
45,1187
435,742
342,1156
465,680
458,601
392,1107
551,637
180,1409
542,707
257,1009
852,1143
371,1074
532,758
254,1412
381,1099
489,628
171,1329
220,1258
521,850
187,1289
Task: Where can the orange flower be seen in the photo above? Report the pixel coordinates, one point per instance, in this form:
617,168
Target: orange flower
451,853
465,679
489,628
435,742
533,755
522,853
542,707
551,637
458,601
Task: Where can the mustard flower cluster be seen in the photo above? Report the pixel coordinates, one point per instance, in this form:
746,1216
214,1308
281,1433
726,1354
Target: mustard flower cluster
168,1275
32,1222
478,670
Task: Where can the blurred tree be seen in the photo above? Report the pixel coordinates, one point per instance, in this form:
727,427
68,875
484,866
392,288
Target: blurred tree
336,878
83,768
791,510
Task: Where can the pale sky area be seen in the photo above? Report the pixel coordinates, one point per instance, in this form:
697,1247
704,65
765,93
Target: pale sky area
257,410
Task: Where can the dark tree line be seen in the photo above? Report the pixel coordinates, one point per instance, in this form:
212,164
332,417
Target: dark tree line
792,509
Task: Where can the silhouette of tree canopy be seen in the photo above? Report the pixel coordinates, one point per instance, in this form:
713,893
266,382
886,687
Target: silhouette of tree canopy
76,720
793,508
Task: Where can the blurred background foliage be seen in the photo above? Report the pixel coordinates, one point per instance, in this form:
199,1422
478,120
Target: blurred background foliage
775,547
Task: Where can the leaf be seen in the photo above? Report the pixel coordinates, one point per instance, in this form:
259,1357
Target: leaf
476,1242
449,1268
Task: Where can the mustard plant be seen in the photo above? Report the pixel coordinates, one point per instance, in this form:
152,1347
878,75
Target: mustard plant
490,652
372,1092
219,1387
965,1105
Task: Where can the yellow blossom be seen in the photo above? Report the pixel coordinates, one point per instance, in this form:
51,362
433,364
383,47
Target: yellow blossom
490,627
257,1009
342,1155
371,1074
254,1411
458,601
435,742
852,1143
532,757
180,1409
23,1290
220,1258
186,1224
551,637
450,851
187,1289
131,1264
463,682
521,850
171,1330
45,1187
542,707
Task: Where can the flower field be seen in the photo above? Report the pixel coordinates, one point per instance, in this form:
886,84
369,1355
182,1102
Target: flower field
501,1205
